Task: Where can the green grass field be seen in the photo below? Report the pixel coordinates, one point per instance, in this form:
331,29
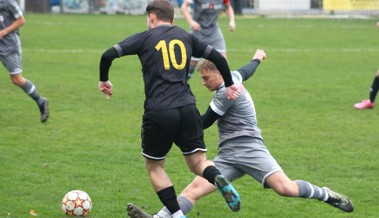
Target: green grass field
304,94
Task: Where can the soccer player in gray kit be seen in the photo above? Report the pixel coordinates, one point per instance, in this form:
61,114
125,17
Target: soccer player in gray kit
241,150
11,18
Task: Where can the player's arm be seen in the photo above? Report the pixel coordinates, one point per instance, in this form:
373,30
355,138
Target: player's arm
249,69
185,9
221,64
14,26
230,14
209,117
105,63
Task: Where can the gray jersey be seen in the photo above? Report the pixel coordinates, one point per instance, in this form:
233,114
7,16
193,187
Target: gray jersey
9,12
205,12
238,118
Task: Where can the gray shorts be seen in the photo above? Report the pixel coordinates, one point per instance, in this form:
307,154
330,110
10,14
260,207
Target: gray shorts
216,40
246,155
13,62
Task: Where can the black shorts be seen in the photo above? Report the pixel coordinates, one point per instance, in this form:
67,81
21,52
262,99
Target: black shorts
182,126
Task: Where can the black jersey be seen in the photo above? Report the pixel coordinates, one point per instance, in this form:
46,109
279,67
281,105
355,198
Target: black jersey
165,53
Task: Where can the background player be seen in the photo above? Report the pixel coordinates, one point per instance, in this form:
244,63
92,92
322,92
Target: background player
204,23
370,103
11,19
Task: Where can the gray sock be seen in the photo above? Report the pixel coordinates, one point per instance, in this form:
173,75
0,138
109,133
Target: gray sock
31,90
307,190
185,205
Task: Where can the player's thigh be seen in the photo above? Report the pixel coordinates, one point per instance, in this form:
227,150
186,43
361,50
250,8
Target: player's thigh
215,39
218,41
228,167
190,137
248,156
158,132
12,62
255,160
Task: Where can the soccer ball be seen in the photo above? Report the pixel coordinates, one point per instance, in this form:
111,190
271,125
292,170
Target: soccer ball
76,203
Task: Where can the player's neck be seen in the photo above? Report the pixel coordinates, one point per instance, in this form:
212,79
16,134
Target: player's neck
162,23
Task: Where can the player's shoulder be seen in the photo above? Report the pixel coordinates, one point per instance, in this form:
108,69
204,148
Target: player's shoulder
236,76
4,3
180,29
10,2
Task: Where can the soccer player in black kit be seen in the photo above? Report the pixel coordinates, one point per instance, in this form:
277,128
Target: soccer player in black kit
170,113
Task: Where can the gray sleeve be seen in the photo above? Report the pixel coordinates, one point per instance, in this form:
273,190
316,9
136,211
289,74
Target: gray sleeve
15,9
249,69
220,104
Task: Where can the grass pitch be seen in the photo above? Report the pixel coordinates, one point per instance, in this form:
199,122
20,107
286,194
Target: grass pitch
304,94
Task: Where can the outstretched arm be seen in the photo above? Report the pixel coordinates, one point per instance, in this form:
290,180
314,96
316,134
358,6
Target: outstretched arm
249,69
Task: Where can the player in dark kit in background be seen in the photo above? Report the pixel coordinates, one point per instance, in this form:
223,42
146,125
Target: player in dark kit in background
370,102
11,18
170,113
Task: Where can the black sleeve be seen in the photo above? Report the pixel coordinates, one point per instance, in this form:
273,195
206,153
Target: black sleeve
222,66
201,49
249,69
209,118
106,62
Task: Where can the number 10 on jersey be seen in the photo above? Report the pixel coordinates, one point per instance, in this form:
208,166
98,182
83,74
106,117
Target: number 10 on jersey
168,54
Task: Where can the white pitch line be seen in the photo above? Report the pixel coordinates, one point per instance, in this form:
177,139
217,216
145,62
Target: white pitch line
309,50
75,51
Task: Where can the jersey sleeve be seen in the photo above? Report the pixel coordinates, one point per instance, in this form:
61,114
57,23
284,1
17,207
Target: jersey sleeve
249,69
199,48
226,2
237,77
130,45
15,9
220,104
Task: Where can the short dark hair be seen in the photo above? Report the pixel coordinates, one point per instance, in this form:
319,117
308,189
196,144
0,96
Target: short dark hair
162,9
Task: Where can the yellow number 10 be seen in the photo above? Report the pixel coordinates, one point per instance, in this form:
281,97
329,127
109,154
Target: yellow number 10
169,54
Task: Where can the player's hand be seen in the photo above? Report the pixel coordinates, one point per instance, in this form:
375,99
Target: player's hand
2,34
195,26
260,55
233,92
377,24
106,88
232,26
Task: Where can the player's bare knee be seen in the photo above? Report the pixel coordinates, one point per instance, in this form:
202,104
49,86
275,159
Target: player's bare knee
18,80
288,189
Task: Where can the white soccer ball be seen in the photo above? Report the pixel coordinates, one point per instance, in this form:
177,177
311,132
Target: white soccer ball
76,203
